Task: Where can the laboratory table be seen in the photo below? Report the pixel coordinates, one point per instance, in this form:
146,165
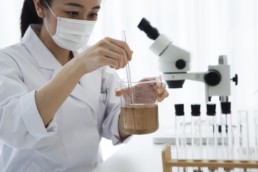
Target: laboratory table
138,155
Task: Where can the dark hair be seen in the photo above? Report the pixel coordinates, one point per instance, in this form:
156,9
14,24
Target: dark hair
29,14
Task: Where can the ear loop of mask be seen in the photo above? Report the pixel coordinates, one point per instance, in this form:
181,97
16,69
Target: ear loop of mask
50,9
54,16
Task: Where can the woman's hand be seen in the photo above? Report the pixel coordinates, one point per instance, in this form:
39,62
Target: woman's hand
107,52
147,91
162,92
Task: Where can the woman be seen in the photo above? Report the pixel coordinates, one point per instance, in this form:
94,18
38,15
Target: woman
57,101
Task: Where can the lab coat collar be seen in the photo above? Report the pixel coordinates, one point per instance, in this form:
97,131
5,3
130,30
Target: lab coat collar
45,58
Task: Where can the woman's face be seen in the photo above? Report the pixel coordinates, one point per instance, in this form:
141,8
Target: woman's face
72,9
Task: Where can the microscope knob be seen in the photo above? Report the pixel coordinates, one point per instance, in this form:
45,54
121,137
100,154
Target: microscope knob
180,64
212,77
235,79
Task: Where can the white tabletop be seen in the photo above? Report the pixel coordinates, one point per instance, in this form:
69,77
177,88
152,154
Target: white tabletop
138,155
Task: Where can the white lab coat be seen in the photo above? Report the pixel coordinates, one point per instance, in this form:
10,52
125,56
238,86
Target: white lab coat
71,141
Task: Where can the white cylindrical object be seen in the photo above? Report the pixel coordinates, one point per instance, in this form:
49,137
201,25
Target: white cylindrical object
196,137
180,136
229,137
211,140
169,55
244,135
160,45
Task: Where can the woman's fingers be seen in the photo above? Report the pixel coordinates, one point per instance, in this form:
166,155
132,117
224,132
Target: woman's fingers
120,51
106,52
162,92
118,92
116,53
124,46
121,92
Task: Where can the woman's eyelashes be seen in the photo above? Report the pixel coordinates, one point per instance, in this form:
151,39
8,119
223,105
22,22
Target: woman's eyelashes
77,15
93,16
72,14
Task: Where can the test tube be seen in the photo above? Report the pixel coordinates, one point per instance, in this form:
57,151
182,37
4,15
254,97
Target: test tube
212,132
226,111
180,127
256,133
176,135
196,132
237,137
180,133
244,135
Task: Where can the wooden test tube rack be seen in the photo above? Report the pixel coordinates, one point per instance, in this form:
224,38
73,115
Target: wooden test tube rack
168,162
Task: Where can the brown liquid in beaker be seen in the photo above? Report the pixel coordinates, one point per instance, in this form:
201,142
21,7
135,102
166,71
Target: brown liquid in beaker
140,119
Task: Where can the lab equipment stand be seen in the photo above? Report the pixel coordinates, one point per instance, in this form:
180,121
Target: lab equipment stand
168,162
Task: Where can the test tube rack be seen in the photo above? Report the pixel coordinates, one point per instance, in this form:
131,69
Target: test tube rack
168,162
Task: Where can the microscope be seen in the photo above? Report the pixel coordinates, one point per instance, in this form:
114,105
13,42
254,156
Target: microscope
174,63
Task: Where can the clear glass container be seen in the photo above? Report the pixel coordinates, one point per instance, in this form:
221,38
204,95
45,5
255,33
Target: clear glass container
139,108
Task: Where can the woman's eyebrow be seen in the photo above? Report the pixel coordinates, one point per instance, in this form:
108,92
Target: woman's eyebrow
79,5
96,8
74,4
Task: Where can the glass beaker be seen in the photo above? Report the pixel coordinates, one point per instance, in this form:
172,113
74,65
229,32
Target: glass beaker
139,109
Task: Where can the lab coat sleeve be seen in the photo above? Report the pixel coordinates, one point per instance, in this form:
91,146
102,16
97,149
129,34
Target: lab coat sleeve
21,126
110,123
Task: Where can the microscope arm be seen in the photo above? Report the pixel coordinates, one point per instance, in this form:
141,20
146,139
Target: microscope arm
198,76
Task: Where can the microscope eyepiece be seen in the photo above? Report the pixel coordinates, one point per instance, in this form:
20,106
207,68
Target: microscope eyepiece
150,31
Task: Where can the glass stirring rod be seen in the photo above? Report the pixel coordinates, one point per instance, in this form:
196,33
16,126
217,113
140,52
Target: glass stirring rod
128,73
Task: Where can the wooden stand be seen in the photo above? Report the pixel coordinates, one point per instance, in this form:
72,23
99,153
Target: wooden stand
168,162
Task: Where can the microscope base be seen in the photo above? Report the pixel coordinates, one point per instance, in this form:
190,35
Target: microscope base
168,137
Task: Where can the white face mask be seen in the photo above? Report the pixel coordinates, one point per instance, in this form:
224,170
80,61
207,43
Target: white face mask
72,34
